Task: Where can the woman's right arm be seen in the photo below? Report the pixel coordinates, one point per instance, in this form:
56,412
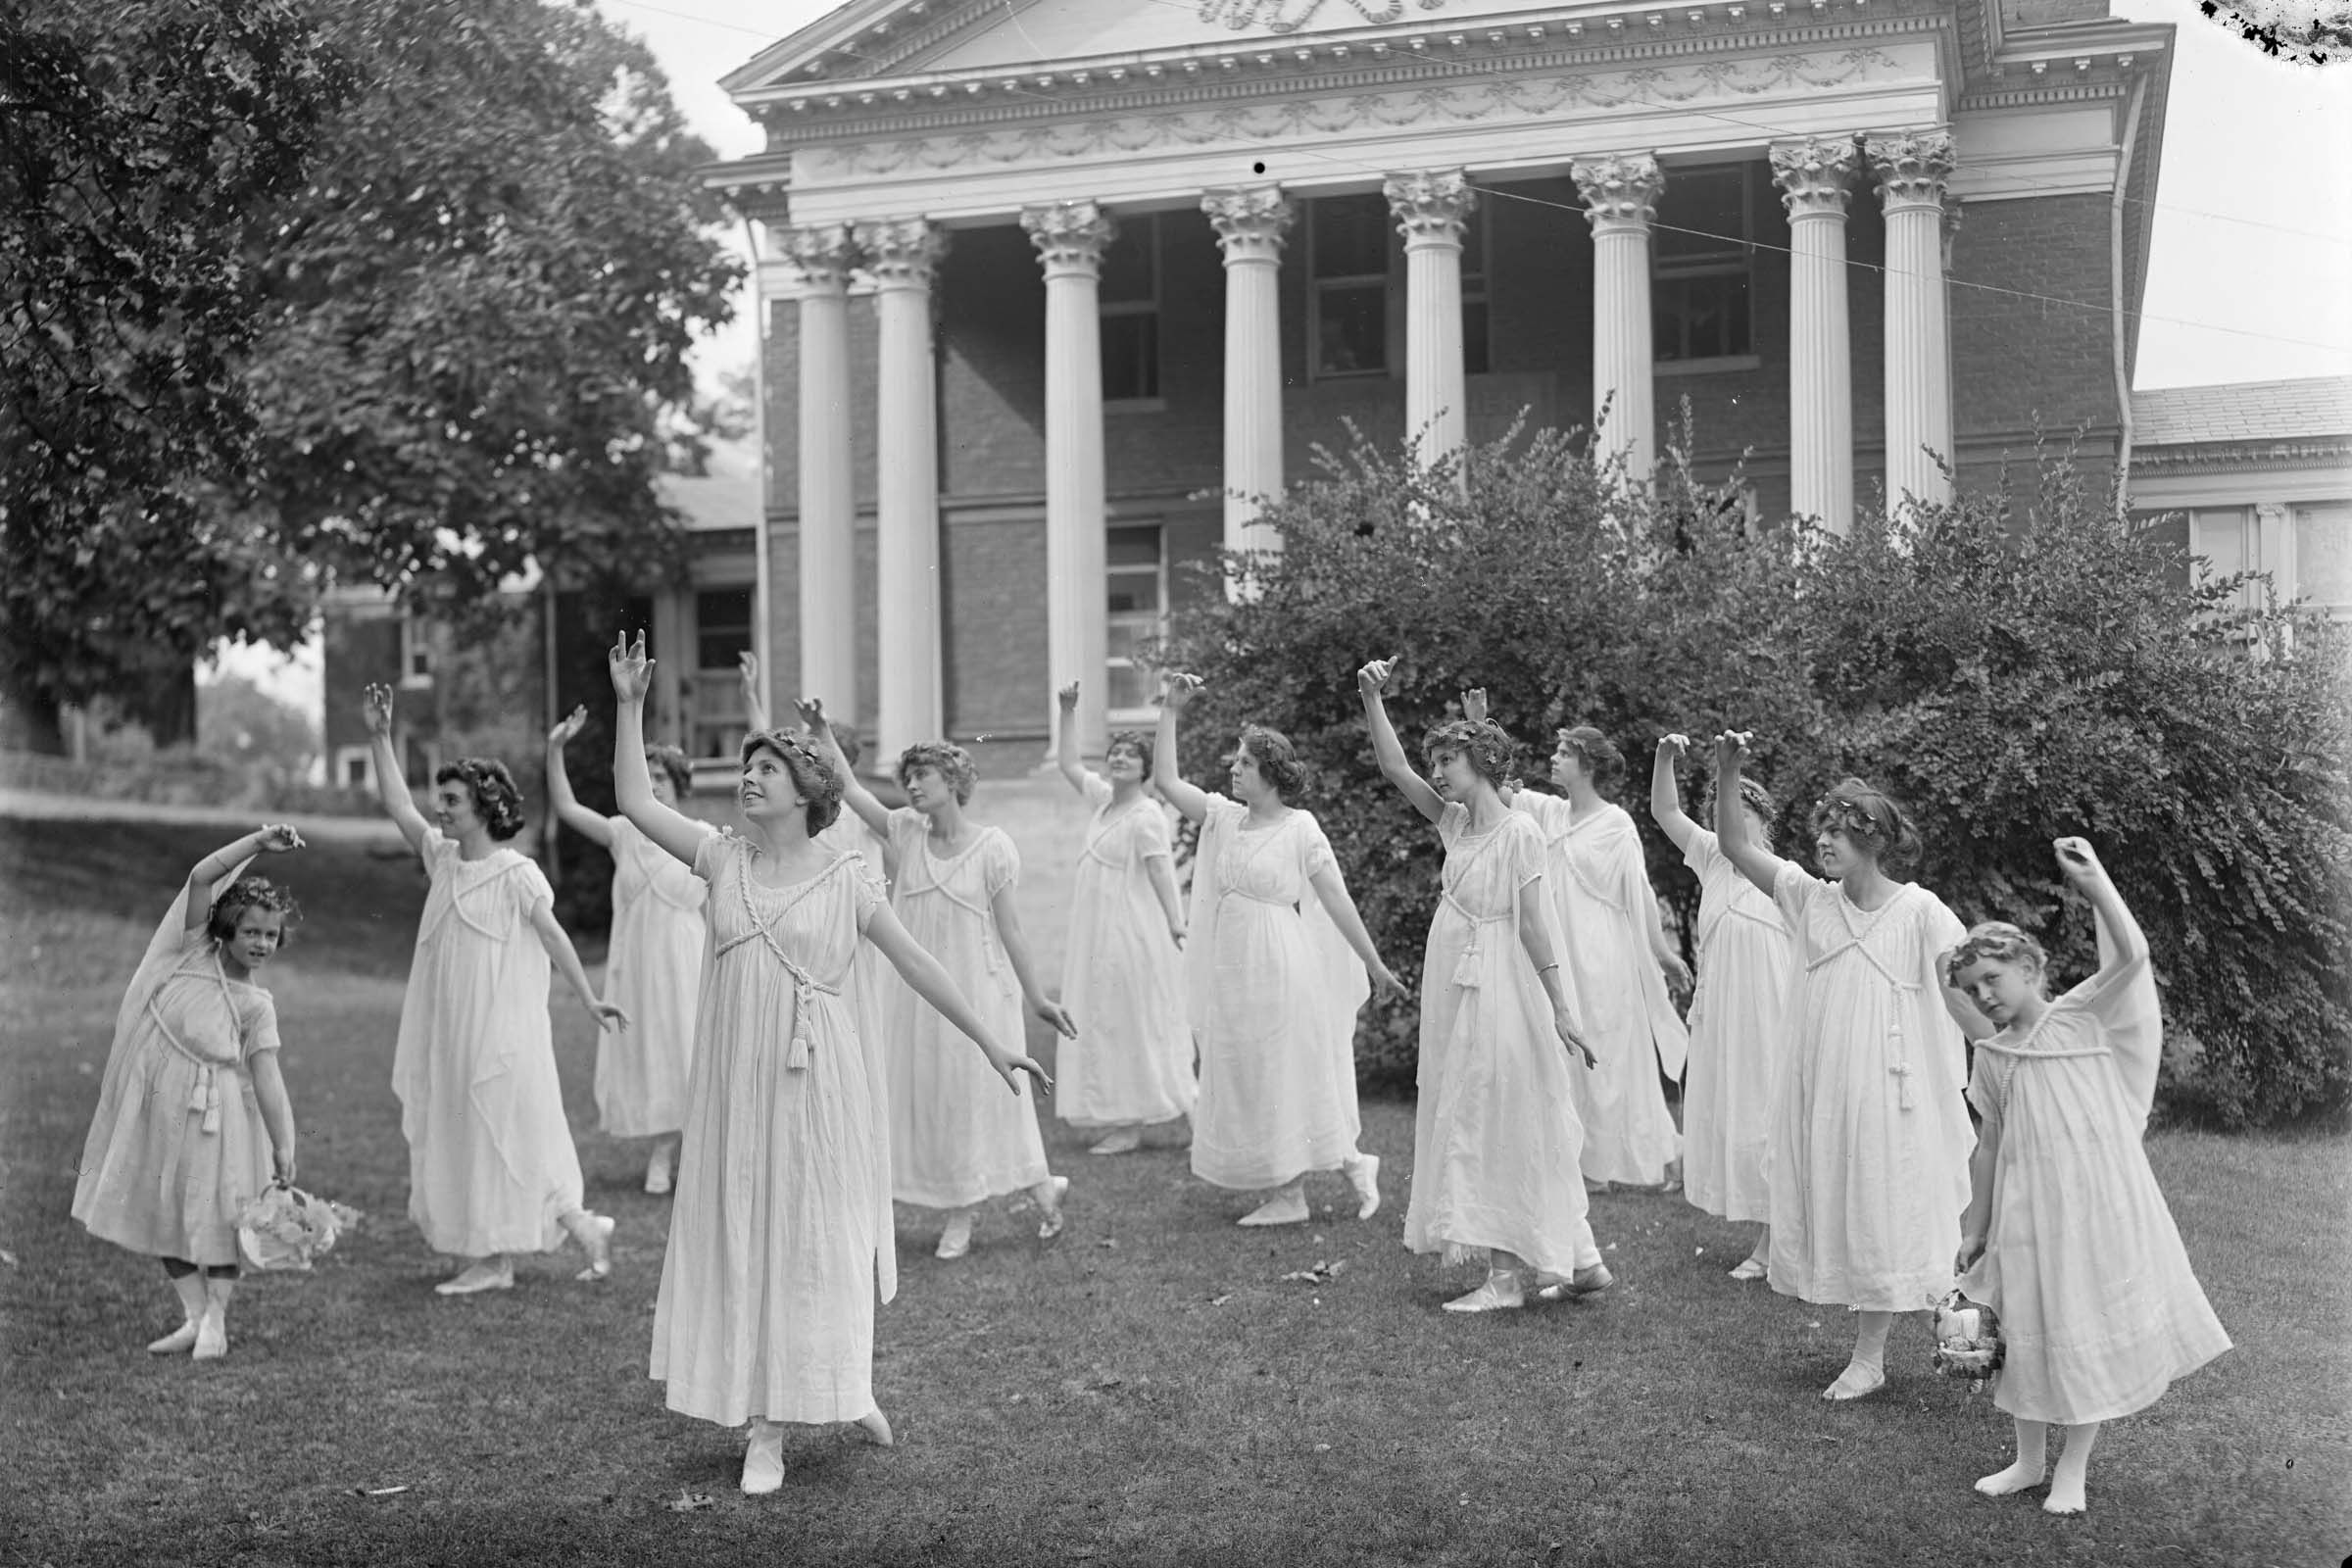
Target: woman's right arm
1065,738
1665,799
275,837
1190,799
1976,1221
391,786
929,980
754,712
568,809
632,784
1371,683
1753,861
854,793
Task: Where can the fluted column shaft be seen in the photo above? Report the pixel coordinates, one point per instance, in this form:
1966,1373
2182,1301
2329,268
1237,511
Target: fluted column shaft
1069,237
1814,178
901,255
1249,225
1912,169
1430,209
1621,194
828,553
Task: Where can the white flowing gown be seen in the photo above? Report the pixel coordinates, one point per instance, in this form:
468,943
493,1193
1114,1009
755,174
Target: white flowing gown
1122,976
653,972
1736,1017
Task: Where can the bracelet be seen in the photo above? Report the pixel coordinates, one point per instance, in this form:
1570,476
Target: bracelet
1554,964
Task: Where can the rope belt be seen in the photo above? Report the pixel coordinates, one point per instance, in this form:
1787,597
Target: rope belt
1901,1067
205,1096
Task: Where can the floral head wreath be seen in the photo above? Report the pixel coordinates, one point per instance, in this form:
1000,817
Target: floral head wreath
1998,942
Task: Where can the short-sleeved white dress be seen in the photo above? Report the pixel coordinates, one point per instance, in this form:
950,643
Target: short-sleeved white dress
956,1136
654,971
780,1236
491,1163
848,834
1122,977
2099,1311
178,1145
1600,886
1496,1136
1870,1138
1272,992
1737,1015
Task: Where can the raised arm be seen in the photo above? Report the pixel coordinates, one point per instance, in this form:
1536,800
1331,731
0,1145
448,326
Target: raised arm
1341,906
1963,1012
1024,972
928,980
2121,939
273,837
1190,799
755,707
568,809
1535,940
391,786
1753,861
1065,737
1372,684
1665,799
632,676
854,793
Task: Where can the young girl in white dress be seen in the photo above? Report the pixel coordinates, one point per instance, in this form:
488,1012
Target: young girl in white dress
1619,958
492,1169
953,1146
2067,1237
1737,1012
1122,980
1495,1130
780,1240
1870,1138
654,963
1272,989
193,1118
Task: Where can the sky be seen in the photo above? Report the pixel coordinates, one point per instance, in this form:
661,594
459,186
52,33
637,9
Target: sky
2250,278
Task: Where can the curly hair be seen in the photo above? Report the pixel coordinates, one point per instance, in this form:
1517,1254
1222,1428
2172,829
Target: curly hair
669,760
250,893
1604,763
1999,942
1137,741
844,736
496,799
813,773
1752,795
1277,760
1872,819
1486,745
953,762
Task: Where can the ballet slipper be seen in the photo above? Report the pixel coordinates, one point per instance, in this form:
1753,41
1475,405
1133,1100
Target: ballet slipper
1286,1207
1125,1141
956,1239
763,1459
1500,1291
1363,1174
597,1237
1750,1268
490,1274
190,1289
1590,1280
876,1427
1858,1381
1051,1226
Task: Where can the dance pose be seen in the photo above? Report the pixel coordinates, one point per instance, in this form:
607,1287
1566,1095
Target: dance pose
492,1170
953,1146
1495,1133
653,964
1870,1138
1735,1012
780,1240
1272,1003
193,1118
1122,978
2066,1236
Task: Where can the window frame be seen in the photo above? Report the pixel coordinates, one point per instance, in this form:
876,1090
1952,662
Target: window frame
414,647
1145,714
1478,290
1106,310
1316,284
1729,261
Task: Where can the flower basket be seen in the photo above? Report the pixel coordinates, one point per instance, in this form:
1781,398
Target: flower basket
286,1229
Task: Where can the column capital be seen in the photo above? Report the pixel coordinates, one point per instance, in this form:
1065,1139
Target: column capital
901,251
1815,176
1620,191
824,254
1070,236
1429,206
1912,165
1250,221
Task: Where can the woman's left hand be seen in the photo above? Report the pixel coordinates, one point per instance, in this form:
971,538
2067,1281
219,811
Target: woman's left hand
607,1016
2077,861
281,1165
1386,985
278,837
1678,973
1007,1064
1054,1013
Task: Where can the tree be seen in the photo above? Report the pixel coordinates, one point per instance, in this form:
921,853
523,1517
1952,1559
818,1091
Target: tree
239,723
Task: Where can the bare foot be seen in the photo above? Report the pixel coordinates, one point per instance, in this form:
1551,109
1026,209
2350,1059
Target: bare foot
2019,1477
1856,1382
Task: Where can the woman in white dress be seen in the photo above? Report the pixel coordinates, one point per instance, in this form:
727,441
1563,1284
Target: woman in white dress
952,1146
492,1170
2067,1237
1619,958
1495,1130
1870,1137
780,1240
1272,988
1122,980
654,962
1737,1012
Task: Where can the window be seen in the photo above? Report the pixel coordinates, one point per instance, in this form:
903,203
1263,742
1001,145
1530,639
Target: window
355,767
416,652
2324,558
1349,244
1137,581
1474,293
722,630
1129,293
1701,246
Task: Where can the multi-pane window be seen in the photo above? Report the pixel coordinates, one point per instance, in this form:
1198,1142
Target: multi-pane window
1701,246
416,652
1348,243
1137,581
722,630
1129,296
1474,293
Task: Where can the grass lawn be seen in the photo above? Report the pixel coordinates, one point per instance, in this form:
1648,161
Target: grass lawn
1146,1390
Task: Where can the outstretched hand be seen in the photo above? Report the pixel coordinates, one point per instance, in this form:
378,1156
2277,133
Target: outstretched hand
1007,1064
1678,745
568,728
278,837
1067,697
1053,1012
378,706
1474,705
2077,861
1180,689
747,665
812,715
1373,679
1731,749
632,672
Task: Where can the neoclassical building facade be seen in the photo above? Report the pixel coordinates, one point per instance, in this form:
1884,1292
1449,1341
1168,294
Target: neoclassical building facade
1056,293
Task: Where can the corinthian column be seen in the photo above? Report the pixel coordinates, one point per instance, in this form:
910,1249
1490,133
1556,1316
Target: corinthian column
1620,194
828,565
1814,177
1249,225
901,255
1912,168
1430,209
1069,237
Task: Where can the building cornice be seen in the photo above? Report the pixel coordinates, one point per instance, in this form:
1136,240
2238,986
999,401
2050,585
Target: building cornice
2271,457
